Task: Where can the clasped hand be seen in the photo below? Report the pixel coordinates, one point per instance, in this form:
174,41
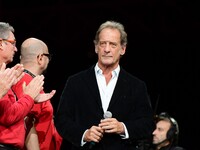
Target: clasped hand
108,125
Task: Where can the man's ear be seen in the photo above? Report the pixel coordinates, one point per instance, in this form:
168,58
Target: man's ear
39,58
123,50
96,50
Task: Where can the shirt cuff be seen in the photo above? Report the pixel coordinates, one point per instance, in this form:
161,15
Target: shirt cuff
125,135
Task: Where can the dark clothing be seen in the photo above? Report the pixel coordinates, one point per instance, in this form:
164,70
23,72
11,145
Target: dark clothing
80,107
7,147
175,148
172,148
169,147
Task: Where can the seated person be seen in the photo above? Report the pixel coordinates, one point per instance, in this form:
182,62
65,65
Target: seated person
165,136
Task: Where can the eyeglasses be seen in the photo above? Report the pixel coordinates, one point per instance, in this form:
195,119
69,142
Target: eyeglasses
13,42
48,55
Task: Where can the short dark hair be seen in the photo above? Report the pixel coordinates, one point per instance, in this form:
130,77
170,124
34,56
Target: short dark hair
173,132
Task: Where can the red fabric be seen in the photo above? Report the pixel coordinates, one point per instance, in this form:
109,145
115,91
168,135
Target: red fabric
12,114
43,114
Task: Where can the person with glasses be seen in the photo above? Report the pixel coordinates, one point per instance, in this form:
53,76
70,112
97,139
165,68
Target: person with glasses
165,135
13,109
42,134
105,86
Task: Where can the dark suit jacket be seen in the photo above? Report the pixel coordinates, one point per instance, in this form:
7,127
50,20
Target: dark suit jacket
168,147
80,107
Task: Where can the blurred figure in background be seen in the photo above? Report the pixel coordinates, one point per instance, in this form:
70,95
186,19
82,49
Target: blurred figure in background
165,136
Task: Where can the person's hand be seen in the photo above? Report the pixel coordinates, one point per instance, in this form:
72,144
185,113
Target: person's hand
112,125
9,77
94,134
45,96
34,87
19,68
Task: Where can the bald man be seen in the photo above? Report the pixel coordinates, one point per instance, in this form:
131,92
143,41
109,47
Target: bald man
41,133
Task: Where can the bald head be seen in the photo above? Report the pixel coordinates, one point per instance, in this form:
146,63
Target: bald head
31,48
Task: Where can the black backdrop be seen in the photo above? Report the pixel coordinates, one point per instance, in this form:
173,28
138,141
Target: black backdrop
163,44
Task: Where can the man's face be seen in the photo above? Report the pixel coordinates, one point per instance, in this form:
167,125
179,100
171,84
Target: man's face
160,133
109,48
8,48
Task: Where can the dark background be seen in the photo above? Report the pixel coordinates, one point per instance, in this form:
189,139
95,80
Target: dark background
163,45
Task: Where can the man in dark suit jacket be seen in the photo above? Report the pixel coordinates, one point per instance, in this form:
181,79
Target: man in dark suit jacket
106,86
